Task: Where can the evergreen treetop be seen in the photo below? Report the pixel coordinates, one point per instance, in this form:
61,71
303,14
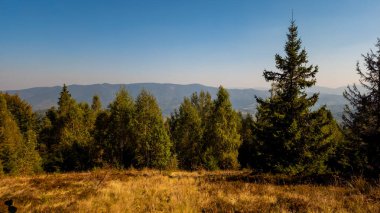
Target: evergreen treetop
283,118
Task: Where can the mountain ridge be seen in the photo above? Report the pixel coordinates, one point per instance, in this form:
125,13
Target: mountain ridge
168,95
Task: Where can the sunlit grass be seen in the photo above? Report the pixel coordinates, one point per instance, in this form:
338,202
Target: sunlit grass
156,191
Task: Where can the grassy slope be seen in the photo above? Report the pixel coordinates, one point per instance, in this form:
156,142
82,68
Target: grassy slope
154,191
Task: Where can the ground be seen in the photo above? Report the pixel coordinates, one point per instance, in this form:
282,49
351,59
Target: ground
177,191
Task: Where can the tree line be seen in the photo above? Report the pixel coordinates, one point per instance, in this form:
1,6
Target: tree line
285,135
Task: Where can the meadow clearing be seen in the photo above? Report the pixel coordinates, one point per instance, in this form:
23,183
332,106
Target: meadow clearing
178,191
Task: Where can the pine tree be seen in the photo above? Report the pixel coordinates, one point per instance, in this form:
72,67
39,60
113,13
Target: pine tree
65,102
362,117
283,119
153,144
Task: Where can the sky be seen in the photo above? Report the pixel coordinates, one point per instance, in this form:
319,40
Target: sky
211,42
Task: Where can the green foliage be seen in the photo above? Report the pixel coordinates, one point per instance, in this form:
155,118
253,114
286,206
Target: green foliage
187,135
247,148
152,141
17,152
66,135
96,103
10,139
29,161
1,169
223,132
205,133
102,147
119,143
22,113
283,119
362,117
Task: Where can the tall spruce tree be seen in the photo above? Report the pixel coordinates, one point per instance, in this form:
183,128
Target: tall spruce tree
290,137
362,117
153,144
65,101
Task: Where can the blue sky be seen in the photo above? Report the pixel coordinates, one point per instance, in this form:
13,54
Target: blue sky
212,42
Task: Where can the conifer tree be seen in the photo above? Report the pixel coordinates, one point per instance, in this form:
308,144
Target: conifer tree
362,117
65,101
153,144
289,136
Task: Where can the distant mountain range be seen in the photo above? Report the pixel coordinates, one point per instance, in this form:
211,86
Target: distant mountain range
169,96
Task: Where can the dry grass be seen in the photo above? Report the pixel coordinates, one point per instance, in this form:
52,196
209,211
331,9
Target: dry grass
155,191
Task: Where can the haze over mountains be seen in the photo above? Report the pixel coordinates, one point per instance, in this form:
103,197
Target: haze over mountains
169,96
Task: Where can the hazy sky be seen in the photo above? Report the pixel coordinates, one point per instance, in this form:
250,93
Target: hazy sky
212,42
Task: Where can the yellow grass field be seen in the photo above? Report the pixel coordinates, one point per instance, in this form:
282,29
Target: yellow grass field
156,191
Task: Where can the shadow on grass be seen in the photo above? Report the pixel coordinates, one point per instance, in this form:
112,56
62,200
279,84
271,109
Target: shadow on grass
279,179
